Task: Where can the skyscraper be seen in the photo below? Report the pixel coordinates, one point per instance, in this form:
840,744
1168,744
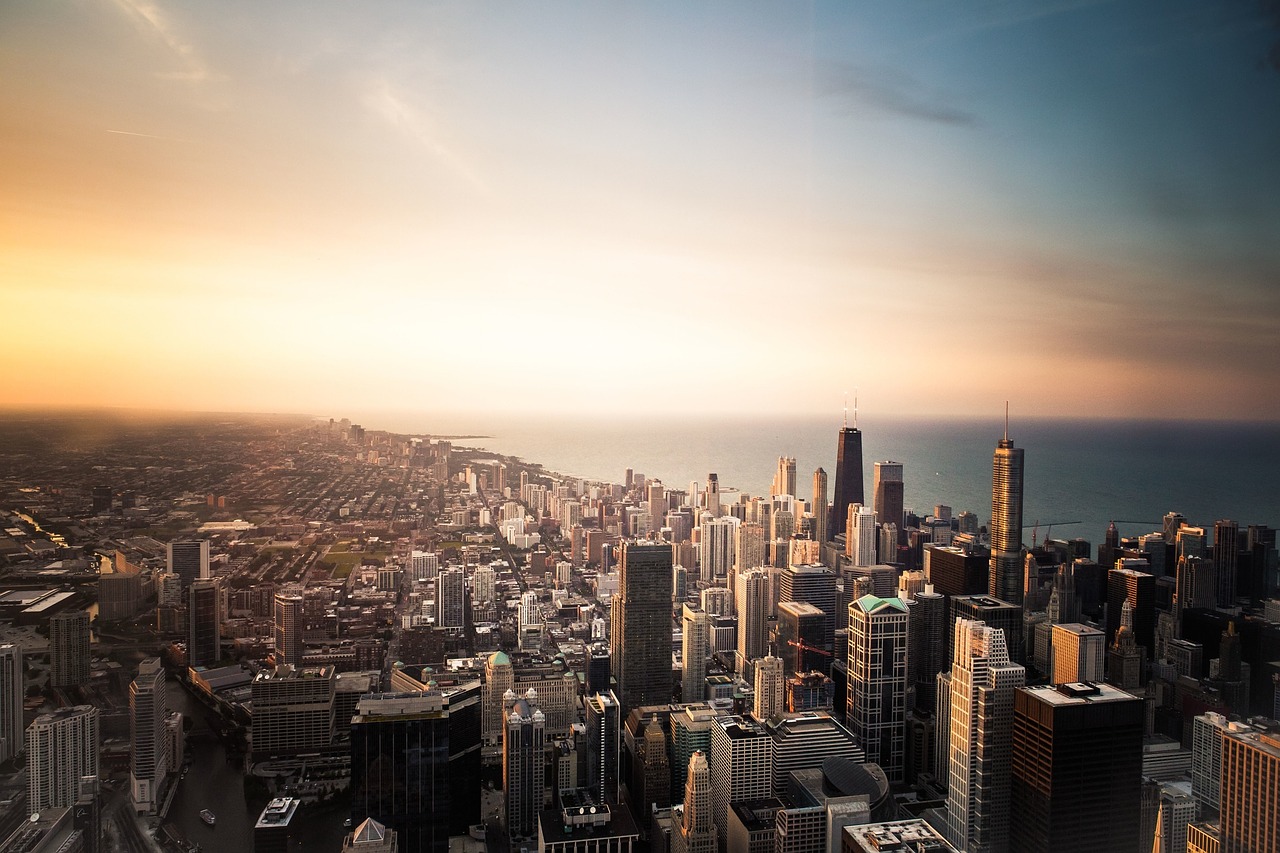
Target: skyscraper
983,681
821,508
754,600
814,584
768,684
10,701
604,745
1079,654
415,765
849,484
696,832
1077,768
62,748
784,479
1005,580
1139,588
713,495
741,763
69,648
877,690
641,616
717,542
189,560
524,768
148,754
693,676
288,619
451,600
1250,815
887,496
860,535
204,621
802,630
1226,551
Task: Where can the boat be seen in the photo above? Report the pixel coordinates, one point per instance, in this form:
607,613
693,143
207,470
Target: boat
208,817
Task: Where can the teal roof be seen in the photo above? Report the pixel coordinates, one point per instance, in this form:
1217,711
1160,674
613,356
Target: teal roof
871,603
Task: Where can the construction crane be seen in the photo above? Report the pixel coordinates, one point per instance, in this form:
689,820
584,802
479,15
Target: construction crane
1048,530
805,647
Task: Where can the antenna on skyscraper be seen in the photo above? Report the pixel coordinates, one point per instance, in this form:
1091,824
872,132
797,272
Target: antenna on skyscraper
846,409
855,408
1006,420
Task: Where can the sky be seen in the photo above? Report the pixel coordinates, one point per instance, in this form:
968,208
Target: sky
611,208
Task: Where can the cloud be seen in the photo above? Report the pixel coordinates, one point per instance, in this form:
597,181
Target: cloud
388,104
151,20
885,90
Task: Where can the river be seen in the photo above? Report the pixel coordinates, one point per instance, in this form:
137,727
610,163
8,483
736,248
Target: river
216,784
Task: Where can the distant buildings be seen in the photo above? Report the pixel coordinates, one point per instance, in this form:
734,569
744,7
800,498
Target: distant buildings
849,487
10,701
189,560
69,649
204,619
289,627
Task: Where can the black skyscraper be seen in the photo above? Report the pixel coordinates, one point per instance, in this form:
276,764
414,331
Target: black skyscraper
849,486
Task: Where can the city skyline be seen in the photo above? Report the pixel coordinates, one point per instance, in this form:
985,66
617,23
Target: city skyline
330,207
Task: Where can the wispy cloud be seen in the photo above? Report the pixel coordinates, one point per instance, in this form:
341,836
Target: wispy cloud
151,20
384,101
885,90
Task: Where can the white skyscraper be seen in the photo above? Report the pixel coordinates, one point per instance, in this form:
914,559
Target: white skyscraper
741,766
694,654
482,585
753,614
62,748
860,535
769,688
983,682
149,753
10,701
716,546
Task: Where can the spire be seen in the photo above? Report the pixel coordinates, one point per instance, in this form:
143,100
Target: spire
1006,420
1157,843
855,408
846,410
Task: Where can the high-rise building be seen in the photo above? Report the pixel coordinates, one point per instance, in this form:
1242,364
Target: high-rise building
926,631
693,675
62,749
769,682
10,701
983,683
1079,653
860,535
696,832
524,769
1249,818
275,831
604,746
877,690
1226,554
1177,810
1005,580
1124,658
1077,768
754,600
189,560
451,601
149,749
289,626
749,551
499,677
717,541
293,710
415,765
713,495
802,629
805,741
784,479
821,507
741,766
1139,588
814,584
1207,732
993,612
888,493
641,635
204,623
69,648
849,488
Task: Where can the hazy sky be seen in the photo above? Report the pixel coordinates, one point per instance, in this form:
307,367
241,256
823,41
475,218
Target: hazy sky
329,206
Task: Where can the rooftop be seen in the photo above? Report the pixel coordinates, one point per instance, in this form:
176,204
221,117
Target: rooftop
1079,693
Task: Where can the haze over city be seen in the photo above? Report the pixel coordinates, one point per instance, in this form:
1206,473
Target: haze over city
459,207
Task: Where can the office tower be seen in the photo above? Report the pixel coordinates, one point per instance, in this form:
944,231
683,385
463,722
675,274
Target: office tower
808,740
956,571
1173,522
693,675
189,560
754,599
716,601
645,742
293,710
62,749
1177,810
10,701
1125,657
887,495
993,612
802,631
1077,768
1226,553
769,682
451,596
204,623
927,655
1207,732
741,762
816,585
275,831
415,765
821,508
148,753
1139,589
604,739
1079,653
524,768
69,649
697,830
983,683
657,497
717,542
877,691
784,479
499,678
1005,581
749,550
289,626
641,636
713,495
1196,586
1249,819
849,483
860,535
